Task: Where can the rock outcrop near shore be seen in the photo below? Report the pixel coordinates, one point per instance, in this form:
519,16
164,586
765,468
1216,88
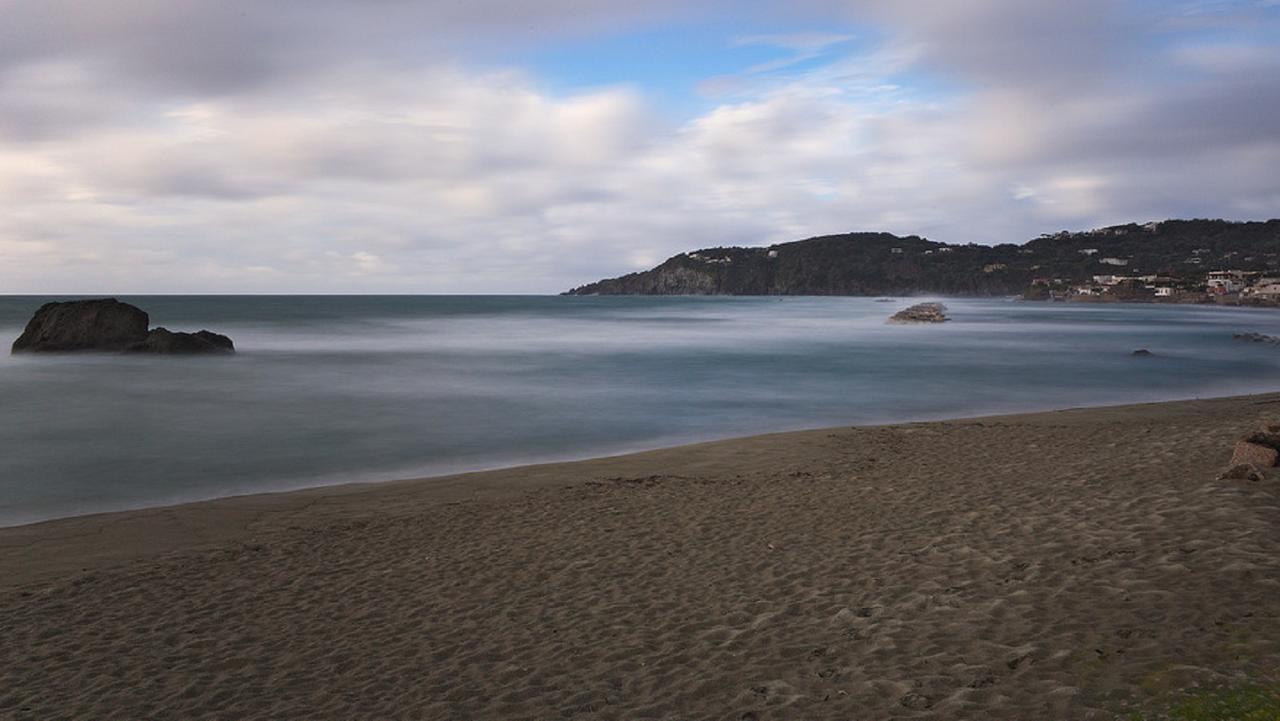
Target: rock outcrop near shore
108,325
1255,455
921,313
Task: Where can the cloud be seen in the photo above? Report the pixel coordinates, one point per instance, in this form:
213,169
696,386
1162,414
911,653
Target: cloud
334,146
803,47
184,49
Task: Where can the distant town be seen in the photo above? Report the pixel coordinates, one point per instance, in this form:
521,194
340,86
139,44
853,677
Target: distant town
1190,284
1242,287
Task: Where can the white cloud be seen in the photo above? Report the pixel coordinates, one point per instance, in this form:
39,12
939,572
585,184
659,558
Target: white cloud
378,172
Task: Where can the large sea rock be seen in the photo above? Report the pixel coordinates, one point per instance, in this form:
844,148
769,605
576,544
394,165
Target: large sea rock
106,324
921,313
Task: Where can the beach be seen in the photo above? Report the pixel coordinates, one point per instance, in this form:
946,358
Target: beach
1058,565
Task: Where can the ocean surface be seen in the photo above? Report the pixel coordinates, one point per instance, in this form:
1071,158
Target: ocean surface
337,389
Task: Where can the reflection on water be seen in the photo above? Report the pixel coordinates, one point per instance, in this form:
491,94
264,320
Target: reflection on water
332,389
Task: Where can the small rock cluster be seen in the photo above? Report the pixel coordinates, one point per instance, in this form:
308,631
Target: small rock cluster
921,313
1255,338
1255,455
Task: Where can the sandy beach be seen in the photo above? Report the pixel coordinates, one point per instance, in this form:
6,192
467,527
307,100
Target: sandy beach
1061,565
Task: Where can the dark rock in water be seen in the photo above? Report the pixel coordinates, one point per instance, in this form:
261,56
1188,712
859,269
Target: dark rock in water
1143,353
105,324
921,313
1255,338
165,341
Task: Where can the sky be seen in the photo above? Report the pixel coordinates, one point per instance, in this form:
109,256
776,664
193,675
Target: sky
482,146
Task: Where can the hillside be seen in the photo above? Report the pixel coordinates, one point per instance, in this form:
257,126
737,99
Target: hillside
886,264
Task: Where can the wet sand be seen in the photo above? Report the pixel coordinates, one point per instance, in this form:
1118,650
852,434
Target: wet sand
1062,565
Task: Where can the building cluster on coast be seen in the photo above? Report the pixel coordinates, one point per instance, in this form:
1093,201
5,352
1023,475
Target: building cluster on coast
1228,287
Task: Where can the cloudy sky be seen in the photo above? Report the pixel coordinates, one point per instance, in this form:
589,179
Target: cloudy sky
445,146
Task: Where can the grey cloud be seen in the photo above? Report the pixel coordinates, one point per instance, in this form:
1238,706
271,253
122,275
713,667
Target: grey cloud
1011,43
182,46
198,181
193,48
321,146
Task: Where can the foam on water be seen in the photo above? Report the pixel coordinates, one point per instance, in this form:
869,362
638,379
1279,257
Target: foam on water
336,389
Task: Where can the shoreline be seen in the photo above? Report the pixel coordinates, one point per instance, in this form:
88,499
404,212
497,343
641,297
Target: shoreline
412,455
1070,564
189,524
338,480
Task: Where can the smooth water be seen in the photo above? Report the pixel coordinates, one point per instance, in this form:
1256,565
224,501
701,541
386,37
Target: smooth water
336,389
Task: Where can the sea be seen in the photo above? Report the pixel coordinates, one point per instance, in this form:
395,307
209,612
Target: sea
338,389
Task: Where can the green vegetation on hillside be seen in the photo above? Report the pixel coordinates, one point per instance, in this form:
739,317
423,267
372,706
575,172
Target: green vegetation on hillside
886,264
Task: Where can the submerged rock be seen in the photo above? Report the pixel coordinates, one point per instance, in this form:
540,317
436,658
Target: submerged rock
921,313
165,341
1255,338
106,324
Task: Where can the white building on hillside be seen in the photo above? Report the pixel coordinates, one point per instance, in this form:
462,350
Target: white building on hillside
1225,281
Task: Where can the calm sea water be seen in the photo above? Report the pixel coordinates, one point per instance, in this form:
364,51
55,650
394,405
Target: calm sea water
336,389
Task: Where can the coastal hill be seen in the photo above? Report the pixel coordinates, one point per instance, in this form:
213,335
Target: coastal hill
886,264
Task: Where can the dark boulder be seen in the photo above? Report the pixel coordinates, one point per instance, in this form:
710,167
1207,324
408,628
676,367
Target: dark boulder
109,325
166,342
104,324
1268,436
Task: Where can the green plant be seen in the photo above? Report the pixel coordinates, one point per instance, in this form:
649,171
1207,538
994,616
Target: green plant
1249,702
